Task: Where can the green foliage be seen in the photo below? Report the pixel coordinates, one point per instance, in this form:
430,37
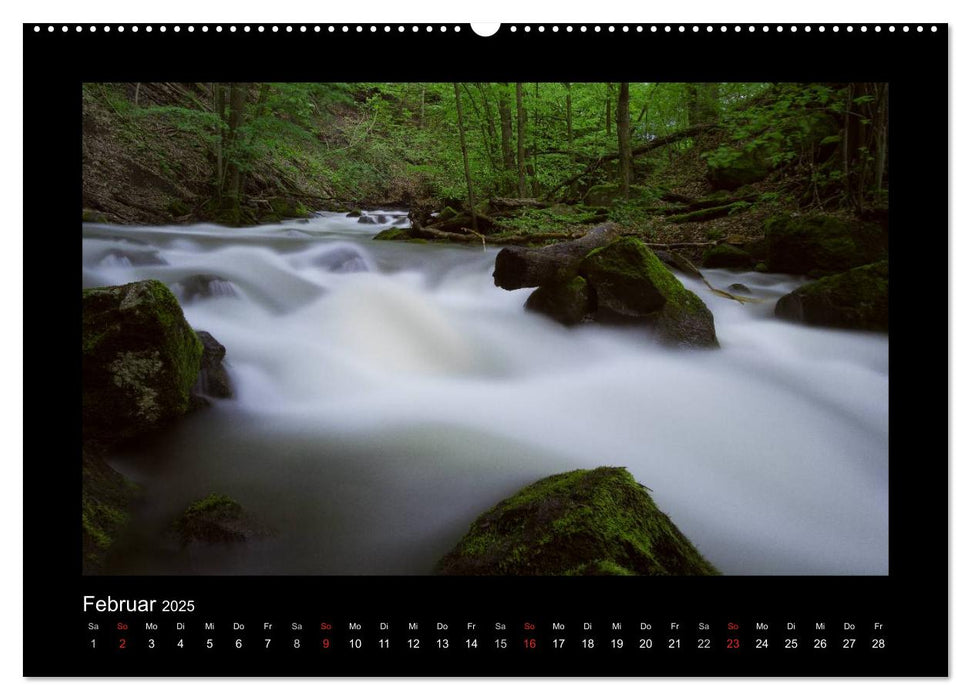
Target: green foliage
386,142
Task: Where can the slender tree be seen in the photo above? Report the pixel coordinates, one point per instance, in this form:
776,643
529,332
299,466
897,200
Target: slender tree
702,103
465,155
234,173
505,126
521,139
569,119
623,138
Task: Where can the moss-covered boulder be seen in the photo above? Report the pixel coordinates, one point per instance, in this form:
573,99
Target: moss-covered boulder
106,501
730,169
139,360
725,255
822,244
629,281
584,522
393,234
447,213
855,299
566,302
287,208
217,519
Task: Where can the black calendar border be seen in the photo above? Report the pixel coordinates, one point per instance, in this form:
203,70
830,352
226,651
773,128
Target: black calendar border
914,596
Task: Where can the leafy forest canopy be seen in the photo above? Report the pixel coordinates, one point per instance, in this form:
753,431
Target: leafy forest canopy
242,153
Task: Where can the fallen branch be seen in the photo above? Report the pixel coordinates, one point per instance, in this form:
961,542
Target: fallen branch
640,150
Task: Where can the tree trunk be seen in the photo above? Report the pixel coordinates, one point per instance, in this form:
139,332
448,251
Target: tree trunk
517,267
623,139
237,102
881,126
646,148
702,103
533,149
521,139
421,113
505,126
219,107
569,120
465,156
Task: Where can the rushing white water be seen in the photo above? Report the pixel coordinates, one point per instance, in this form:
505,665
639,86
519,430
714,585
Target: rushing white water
388,393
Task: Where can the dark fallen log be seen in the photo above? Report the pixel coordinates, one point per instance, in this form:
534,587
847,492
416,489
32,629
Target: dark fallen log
430,233
704,244
518,267
504,205
675,198
640,150
463,221
700,215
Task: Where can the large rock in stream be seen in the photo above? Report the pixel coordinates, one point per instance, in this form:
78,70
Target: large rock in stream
820,244
857,299
584,522
213,378
139,360
217,519
630,282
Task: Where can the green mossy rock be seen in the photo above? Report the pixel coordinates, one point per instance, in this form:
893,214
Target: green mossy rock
855,299
739,168
216,519
139,360
567,303
447,213
822,244
106,501
628,280
89,216
393,234
727,256
287,208
585,522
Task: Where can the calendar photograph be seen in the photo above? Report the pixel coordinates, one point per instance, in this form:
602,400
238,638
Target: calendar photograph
512,329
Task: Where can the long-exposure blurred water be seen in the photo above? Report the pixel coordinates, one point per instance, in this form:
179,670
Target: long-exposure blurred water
387,393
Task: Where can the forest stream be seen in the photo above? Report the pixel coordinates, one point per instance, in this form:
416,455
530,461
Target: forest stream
388,393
